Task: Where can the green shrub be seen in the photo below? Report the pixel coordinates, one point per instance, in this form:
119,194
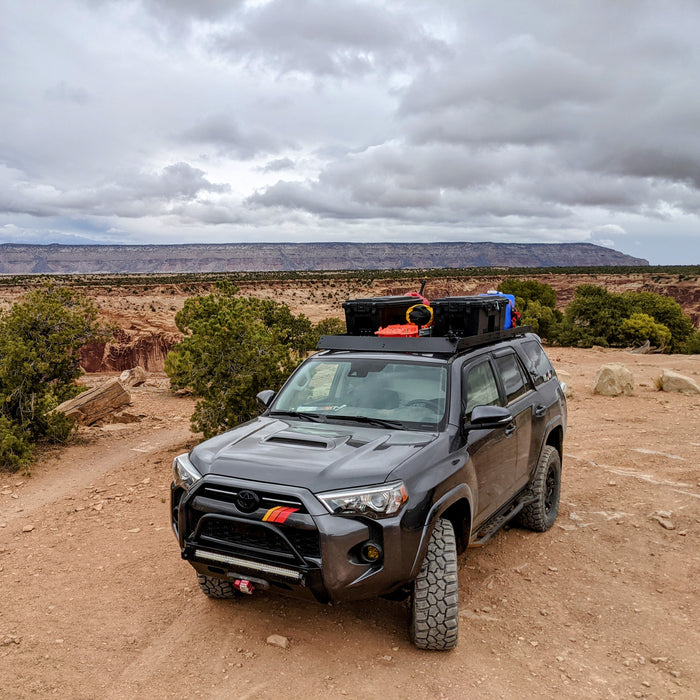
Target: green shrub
598,317
16,446
639,328
691,346
40,341
593,318
331,326
234,348
664,310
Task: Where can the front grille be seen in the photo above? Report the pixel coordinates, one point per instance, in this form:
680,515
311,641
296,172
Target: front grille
257,538
228,494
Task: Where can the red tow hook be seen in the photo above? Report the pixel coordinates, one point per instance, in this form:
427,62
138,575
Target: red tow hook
244,586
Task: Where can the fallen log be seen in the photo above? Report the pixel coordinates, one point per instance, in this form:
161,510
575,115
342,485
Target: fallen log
96,404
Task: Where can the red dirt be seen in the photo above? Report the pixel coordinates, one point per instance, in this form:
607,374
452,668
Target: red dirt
96,602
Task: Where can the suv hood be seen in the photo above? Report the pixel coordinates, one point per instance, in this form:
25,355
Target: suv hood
313,456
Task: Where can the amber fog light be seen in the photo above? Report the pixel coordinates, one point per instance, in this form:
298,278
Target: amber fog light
371,552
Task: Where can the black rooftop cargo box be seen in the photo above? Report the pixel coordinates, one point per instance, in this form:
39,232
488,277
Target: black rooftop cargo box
466,316
365,316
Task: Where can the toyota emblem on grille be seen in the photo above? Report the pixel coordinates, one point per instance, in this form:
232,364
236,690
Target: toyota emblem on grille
247,501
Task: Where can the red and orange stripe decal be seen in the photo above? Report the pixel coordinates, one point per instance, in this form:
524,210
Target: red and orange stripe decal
278,514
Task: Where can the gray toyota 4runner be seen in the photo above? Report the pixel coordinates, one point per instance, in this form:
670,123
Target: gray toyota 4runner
378,462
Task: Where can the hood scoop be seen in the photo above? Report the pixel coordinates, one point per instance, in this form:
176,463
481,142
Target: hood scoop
289,439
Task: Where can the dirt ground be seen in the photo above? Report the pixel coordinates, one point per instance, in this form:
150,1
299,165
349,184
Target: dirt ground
96,602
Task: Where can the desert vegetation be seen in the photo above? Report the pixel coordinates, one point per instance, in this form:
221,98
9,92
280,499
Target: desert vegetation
40,341
234,347
596,316
193,281
242,332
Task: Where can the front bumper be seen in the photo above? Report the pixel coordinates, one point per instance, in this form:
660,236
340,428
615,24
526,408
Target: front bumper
289,542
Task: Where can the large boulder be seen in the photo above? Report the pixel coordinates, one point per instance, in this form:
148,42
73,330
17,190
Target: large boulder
613,379
675,381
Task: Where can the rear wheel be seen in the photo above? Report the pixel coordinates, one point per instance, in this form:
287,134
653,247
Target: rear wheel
546,488
216,587
435,600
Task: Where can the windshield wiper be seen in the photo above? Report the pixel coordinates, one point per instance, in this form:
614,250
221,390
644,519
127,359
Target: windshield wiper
313,417
379,422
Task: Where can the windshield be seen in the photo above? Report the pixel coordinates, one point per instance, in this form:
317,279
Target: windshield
391,393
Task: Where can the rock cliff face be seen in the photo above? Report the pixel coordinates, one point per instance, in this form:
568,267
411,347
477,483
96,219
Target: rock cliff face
60,259
129,349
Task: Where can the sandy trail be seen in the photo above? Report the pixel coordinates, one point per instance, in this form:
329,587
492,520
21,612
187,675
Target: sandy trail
96,602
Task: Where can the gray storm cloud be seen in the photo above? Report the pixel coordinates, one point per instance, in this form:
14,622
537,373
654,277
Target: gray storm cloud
212,120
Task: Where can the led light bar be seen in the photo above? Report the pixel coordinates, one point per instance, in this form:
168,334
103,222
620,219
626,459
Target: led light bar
254,565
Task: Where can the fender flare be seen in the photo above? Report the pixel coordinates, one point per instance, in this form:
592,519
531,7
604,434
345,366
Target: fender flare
459,492
554,423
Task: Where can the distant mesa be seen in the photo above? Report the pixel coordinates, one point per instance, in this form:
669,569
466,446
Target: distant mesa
18,259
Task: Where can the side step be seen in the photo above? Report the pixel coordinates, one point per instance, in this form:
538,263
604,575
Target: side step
497,521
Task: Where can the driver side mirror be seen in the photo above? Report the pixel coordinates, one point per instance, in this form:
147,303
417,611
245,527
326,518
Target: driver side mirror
488,418
264,398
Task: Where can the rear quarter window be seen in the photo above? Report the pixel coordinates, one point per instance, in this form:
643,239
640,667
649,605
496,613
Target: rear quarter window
537,362
512,375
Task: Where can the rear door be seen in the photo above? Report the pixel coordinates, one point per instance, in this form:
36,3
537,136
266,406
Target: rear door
520,397
544,378
493,452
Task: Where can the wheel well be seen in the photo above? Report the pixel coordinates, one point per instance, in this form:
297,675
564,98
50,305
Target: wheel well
459,514
556,439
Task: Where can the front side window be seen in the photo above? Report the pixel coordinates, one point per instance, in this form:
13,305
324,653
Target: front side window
409,393
480,388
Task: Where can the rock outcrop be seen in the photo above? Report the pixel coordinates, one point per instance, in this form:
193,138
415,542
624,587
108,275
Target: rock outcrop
129,348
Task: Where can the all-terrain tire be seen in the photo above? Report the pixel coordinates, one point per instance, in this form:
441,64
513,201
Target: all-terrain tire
546,488
435,599
216,587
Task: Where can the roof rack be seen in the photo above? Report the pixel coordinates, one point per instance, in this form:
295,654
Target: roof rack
431,345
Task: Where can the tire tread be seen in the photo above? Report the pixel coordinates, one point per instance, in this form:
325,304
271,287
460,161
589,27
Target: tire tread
535,516
435,601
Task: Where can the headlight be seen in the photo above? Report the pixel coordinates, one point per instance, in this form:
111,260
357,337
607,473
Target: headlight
375,501
184,473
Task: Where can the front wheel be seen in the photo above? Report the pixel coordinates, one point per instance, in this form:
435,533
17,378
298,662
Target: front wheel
435,599
546,488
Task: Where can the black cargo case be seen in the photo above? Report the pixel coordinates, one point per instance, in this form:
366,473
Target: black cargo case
365,316
468,316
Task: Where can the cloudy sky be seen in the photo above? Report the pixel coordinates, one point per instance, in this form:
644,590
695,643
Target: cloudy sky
166,121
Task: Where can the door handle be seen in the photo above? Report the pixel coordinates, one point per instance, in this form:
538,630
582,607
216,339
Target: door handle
510,430
540,411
